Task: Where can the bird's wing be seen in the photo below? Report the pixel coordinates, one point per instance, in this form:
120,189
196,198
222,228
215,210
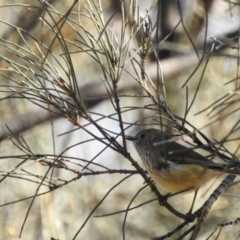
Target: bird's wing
175,152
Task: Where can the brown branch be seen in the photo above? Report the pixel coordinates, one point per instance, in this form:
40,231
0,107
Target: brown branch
94,93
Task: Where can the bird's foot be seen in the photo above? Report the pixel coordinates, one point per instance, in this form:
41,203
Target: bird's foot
165,198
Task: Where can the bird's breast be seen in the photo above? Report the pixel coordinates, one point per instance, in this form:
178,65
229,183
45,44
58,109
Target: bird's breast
181,177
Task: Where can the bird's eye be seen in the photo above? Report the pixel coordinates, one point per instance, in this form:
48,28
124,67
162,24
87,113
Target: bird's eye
142,135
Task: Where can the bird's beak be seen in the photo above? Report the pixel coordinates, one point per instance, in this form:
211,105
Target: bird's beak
131,138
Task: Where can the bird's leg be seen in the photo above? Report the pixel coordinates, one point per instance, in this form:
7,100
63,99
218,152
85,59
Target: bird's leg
194,198
165,198
168,195
176,193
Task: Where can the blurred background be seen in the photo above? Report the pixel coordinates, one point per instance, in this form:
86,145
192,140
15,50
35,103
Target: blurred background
76,77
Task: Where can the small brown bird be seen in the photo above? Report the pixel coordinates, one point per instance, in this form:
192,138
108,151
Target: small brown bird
174,167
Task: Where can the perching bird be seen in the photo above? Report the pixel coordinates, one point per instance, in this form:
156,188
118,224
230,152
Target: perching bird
174,167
